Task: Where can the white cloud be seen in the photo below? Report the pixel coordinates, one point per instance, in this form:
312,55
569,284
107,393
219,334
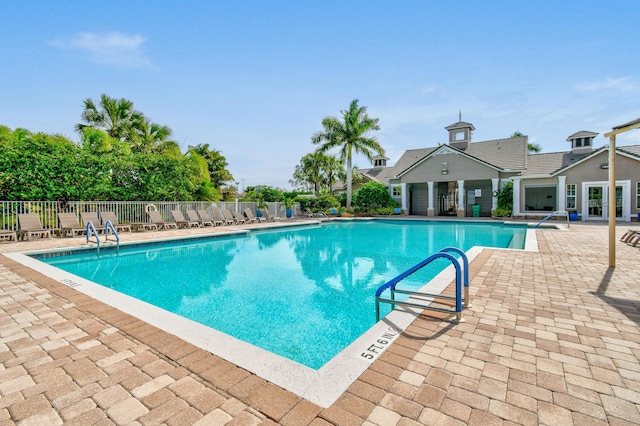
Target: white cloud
113,48
621,83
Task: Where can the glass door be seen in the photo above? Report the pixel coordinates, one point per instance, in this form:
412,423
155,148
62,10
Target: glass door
597,207
595,196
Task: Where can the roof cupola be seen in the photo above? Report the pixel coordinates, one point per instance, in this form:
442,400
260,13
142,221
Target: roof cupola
460,133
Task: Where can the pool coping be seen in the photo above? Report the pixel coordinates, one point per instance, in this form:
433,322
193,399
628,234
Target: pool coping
322,387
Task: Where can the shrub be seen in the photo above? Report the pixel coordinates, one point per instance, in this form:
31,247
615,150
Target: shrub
373,195
505,197
326,202
499,212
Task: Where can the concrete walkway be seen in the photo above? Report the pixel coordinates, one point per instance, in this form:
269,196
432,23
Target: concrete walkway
553,338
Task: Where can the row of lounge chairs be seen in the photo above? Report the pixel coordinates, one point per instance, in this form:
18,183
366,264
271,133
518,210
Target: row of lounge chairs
631,237
30,225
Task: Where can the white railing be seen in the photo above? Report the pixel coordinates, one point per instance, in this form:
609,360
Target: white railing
126,211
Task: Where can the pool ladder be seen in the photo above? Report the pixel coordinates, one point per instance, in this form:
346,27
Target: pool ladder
90,229
417,299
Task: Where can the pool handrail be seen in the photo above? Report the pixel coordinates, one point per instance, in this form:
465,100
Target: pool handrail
465,270
109,226
90,229
550,215
444,253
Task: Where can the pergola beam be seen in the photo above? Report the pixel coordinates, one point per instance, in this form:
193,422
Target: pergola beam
635,124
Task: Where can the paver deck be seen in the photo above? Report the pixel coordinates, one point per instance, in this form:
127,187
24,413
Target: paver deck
553,337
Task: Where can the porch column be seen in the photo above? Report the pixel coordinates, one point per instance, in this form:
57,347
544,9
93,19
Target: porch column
431,210
516,196
562,193
405,196
461,207
494,189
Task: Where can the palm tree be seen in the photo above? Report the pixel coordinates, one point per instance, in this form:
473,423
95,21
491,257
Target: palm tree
348,134
115,116
148,137
333,168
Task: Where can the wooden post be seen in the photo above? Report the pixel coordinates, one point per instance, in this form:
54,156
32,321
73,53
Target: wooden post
635,124
612,201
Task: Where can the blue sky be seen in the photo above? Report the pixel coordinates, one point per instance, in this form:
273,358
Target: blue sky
254,79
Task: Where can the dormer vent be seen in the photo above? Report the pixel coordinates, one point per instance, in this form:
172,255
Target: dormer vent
582,141
380,161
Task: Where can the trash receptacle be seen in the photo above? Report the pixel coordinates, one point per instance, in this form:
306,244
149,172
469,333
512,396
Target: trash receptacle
476,210
573,216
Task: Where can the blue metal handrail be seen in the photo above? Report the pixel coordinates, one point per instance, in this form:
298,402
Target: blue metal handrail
444,253
465,278
90,229
109,226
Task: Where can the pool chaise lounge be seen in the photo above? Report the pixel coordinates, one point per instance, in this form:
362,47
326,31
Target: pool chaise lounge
69,225
30,226
255,219
93,218
237,217
192,216
8,234
634,239
113,218
219,216
204,216
181,222
156,219
270,218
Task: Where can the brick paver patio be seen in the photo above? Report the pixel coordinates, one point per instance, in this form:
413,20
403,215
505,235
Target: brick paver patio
553,338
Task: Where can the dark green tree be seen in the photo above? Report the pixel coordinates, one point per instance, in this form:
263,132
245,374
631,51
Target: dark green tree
217,165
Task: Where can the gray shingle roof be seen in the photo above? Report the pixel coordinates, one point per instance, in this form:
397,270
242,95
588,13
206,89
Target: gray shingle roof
631,149
548,163
583,134
460,125
509,153
378,174
409,158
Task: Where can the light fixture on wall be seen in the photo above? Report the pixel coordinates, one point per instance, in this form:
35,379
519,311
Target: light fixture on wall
604,165
444,169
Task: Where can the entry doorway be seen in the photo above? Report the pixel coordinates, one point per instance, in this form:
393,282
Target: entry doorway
595,205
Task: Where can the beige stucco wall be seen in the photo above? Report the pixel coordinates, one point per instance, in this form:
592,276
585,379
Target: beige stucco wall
591,171
627,169
459,167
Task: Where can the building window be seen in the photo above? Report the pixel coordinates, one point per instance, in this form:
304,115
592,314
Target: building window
638,195
578,142
586,142
459,135
571,196
396,191
540,198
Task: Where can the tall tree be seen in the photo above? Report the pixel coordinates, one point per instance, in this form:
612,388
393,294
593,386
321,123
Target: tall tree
115,116
309,171
147,137
348,135
216,164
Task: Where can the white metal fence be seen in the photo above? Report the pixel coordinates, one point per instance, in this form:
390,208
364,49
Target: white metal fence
126,211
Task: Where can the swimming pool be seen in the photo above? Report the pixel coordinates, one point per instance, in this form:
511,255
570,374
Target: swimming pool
304,293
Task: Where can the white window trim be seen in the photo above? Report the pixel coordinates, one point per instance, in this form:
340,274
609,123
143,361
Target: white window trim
393,189
574,196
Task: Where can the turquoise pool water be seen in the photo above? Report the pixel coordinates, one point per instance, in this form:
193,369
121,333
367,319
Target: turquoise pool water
304,293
